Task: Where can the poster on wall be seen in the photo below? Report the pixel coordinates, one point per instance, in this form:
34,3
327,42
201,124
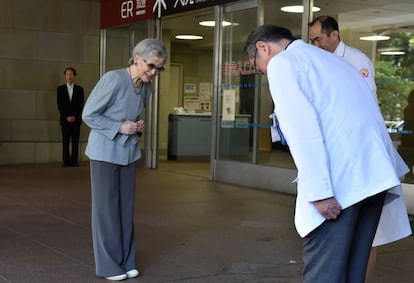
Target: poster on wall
191,103
190,88
229,105
205,96
205,91
205,105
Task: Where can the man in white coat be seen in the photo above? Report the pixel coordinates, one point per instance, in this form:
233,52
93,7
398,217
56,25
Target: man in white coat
324,33
337,137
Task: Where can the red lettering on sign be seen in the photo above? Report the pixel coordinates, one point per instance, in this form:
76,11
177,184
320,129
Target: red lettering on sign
121,12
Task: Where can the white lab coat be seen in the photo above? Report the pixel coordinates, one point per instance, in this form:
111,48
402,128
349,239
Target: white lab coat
394,223
334,129
360,61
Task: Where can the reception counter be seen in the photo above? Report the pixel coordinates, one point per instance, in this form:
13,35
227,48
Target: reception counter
189,136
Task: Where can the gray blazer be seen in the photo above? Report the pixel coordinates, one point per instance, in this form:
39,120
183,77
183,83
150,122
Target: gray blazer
113,101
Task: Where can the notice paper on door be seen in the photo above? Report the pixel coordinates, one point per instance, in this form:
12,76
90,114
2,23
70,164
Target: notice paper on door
229,105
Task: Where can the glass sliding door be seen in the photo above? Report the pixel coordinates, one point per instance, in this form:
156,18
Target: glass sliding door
245,103
242,143
185,95
238,97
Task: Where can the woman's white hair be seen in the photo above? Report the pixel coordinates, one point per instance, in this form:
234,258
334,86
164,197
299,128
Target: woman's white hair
147,48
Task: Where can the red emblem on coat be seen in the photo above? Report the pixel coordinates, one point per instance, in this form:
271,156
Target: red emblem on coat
364,73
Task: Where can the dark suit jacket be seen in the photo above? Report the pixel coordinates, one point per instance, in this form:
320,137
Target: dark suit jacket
67,107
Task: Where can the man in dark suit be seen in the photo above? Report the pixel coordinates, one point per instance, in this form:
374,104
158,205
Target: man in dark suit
70,99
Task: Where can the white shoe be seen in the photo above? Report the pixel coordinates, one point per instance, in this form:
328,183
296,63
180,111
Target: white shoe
132,273
117,277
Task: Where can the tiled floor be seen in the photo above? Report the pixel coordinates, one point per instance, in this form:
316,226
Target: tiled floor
188,229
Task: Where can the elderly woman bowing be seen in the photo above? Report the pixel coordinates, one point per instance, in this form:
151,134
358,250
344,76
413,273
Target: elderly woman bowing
113,111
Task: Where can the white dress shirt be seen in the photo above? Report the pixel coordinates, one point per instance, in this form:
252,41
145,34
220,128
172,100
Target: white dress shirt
70,91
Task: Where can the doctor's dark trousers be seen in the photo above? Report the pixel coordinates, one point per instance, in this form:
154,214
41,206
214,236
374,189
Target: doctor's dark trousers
113,198
338,250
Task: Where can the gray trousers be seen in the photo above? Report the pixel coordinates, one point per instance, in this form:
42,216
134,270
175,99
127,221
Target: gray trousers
338,250
113,198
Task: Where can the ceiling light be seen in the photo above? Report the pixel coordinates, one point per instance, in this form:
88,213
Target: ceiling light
208,23
392,53
188,37
375,37
213,23
298,9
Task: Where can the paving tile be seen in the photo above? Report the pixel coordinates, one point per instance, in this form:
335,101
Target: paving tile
188,229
